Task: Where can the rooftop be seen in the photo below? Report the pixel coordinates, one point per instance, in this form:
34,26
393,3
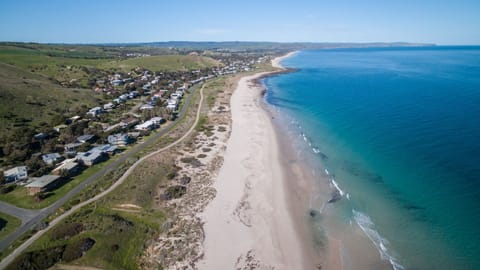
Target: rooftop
43,181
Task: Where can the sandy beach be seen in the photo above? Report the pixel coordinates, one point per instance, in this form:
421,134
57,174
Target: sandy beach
248,224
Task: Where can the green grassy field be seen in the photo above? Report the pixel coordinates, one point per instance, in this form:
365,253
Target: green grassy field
31,100
163,63
9,224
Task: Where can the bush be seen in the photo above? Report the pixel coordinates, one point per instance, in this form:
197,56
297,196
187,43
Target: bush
174,192
6,189
66,231
77,249
39,259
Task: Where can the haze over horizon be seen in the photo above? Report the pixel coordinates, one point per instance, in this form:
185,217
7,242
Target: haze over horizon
439,22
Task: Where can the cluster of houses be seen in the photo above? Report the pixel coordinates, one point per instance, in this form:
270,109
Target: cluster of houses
72,161
69,164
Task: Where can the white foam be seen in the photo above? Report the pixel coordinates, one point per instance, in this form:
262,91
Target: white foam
368,227
315,150
337,187
327,172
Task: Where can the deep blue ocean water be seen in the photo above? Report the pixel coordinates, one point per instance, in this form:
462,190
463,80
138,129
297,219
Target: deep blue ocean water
399,128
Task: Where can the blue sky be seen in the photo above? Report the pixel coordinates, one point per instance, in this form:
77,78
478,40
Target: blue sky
84,21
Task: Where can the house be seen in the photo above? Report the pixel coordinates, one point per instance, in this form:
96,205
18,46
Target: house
51,158
175,96
71,148
70,166
119,139
146,107
117,82
133,94
123,97
146,126
172,104
108,106
157,120
16,174
158,95
171,107
129,122
43,184
147,86
86,138
179,93
91,158
151,124
59,128
105,148
40,136
73,119
95,111
134,135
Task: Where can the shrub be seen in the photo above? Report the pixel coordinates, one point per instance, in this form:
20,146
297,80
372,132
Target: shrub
76,249
66,231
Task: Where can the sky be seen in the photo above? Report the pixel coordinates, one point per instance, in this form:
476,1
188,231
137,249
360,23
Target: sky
117,21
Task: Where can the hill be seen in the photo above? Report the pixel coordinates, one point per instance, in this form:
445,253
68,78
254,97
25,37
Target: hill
163,63
31,100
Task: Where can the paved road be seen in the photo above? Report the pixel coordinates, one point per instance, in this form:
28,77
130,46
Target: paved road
21,213
39,215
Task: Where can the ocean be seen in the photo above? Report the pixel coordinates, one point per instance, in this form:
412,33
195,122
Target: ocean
396,133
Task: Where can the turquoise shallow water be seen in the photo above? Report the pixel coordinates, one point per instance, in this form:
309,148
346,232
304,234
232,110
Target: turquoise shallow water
398,129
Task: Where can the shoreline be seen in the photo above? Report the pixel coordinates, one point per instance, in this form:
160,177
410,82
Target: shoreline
250,223
334,244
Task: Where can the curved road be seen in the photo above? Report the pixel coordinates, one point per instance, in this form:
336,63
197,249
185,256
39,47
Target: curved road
48,210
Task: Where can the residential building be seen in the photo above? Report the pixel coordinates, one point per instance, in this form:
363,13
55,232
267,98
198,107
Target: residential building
71,148
119,139
146,107
51,158
59,128
40,136
86,138
129,122
95,111
70,166
91,158
105,148
108,106
16,174
43,184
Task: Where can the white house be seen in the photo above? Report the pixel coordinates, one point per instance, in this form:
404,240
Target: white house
146,107
94,111
119,139
16,174
108,106
51,158
151,124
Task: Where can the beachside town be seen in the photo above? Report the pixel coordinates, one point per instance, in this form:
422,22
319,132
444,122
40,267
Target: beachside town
136,104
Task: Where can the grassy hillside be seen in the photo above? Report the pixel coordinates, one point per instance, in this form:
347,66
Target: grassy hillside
28,99
163,63
56,66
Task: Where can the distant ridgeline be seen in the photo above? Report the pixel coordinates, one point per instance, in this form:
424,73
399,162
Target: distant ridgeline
252,45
